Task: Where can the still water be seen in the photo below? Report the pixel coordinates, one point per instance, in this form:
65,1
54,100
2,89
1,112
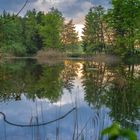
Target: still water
84,96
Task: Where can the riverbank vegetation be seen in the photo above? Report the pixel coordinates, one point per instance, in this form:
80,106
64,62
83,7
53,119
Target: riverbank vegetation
114,31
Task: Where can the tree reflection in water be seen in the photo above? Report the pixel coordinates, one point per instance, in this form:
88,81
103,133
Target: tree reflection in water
115,87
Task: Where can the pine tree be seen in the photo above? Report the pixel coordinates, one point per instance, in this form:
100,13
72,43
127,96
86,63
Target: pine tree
69,36
93,34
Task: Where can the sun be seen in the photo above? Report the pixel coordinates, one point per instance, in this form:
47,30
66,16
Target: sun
79,30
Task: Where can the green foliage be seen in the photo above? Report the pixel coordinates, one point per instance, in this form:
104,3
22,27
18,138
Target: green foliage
21,36
93,39
32,39
124,19
15,48
69,37
118,27
115,132
51,29
115,31
10,35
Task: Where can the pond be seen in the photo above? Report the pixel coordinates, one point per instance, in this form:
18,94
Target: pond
67,100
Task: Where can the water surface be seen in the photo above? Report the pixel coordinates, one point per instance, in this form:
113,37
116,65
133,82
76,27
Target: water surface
35,93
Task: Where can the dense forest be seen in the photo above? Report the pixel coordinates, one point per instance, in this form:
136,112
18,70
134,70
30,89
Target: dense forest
112,31
116,30
36,30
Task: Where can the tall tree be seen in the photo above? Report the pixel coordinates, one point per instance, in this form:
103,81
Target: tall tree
11,34
1,32
93,38
69,36
125,17
32,39
51,29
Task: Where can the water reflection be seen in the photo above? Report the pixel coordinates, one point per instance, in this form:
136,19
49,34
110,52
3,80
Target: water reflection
103,93
116,87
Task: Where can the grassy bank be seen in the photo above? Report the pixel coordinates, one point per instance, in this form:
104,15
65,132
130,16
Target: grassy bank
51,55
55,55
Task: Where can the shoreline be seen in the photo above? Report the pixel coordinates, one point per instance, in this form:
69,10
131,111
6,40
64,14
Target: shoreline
97,58
107,58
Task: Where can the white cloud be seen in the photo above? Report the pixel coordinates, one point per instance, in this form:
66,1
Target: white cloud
71,9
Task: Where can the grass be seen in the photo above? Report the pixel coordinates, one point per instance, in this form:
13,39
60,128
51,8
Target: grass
53,55
75,54
50,56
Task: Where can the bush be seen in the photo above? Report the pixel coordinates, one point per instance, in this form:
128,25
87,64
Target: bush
50,54
115,131
16,49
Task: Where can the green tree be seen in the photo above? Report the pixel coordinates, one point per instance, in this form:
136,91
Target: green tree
11,34
32,39
1,32
124,16
51,29
93,35
69,36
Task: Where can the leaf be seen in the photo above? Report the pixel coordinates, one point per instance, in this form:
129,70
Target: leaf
128,134
112,130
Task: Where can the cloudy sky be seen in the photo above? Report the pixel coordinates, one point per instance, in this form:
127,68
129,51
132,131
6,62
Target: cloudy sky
71,9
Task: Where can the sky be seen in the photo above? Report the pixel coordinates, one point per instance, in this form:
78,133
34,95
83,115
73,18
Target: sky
71,9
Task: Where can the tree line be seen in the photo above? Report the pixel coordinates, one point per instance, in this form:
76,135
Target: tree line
115,30
26,35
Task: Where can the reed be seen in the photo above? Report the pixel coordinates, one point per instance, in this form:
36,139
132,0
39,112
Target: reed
50,54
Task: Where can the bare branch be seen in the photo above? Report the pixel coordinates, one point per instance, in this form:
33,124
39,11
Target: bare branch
22,7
